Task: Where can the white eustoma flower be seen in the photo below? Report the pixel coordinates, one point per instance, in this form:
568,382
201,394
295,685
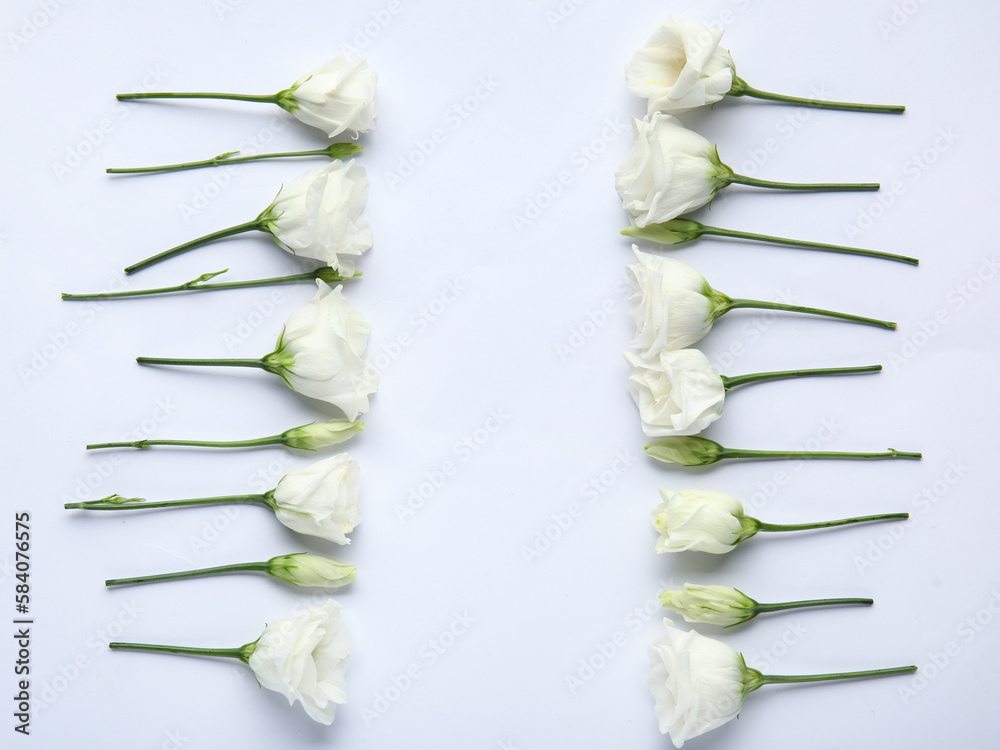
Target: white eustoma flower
700,520
669,171
678,392
715,605
337,97
320,499
698,683
681,67
672,304
304,658
321,352
319,215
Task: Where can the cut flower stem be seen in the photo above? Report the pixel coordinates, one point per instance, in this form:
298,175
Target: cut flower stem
742,88
255,225
719,232
734,304
334,151
198,285
730,382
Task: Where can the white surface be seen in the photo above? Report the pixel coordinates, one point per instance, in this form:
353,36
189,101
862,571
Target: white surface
493,349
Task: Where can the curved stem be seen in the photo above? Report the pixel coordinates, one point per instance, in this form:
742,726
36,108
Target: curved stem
891,453
203,362
734,304
228,653
256,567
272,440
771,679
116,502
753,181
264,99
334,151
760,607
197,286
238,229
758,377
803,243
741,88
761,526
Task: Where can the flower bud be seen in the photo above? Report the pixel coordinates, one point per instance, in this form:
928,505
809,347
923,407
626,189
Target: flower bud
687,451
671,232
309,437
715,605
303,569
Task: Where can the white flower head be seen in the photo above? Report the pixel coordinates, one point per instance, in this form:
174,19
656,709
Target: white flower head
320,499
700,520
321,352
304,658
319,215
678,392
672,304
338,97
681,67
669,171
715,605
698,683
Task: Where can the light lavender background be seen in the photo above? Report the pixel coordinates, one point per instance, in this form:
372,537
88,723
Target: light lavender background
485,111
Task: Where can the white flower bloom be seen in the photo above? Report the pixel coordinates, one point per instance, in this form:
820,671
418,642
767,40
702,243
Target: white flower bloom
715,605
304,658
318,215
303,569
672,304
678,392
681,67
700,520
337,97
669,171
320,499
698,683
321,352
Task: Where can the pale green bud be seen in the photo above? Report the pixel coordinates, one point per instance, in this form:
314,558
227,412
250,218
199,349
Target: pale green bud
321,434
304,569
715,605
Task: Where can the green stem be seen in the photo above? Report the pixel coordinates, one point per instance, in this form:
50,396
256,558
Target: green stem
264,99
242,653
758,377
238,229
773,679
733,304
741,88
235,568
203,362
116,502
272,440
760,607
803,243
334,151
196,285
753,181
761,526
891,453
